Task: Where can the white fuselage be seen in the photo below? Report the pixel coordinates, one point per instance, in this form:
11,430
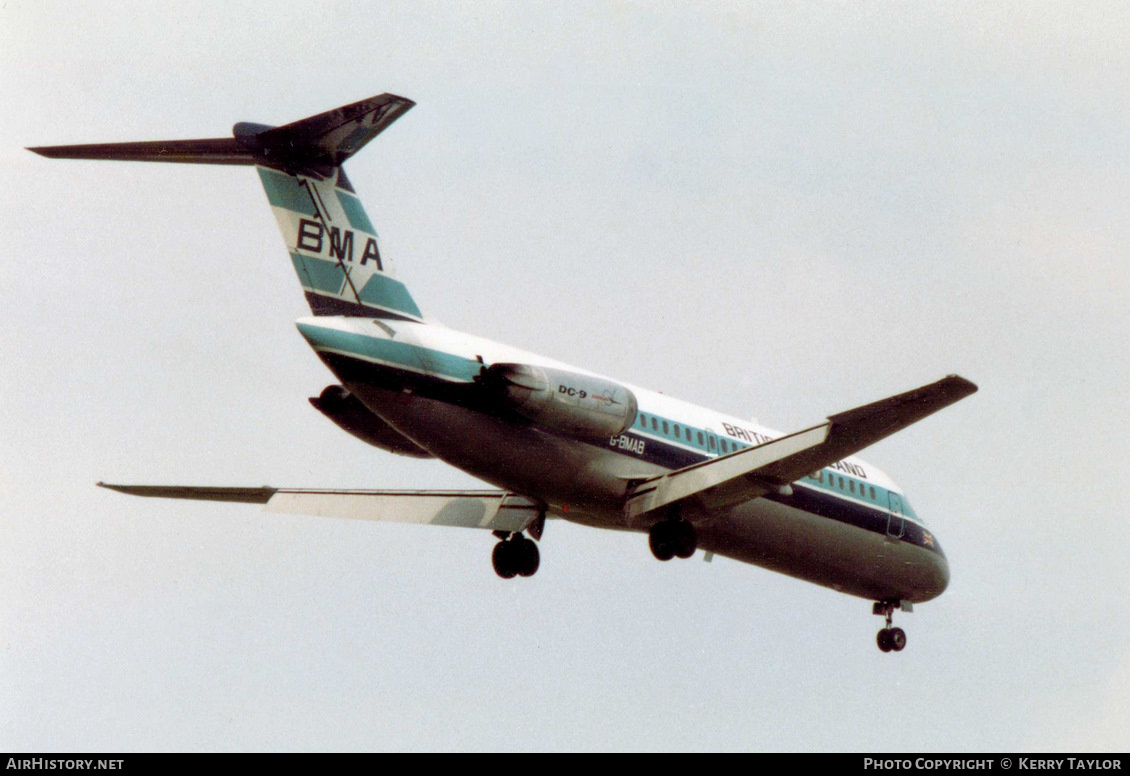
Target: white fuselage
848,527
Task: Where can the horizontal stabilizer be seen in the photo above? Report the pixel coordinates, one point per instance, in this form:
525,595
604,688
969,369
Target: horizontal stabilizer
243,495
490,509
221,150
312,146
755,471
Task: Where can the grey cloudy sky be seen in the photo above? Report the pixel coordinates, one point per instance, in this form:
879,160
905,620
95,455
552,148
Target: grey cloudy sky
778,212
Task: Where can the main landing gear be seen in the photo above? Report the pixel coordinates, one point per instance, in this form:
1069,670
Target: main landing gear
515,556
673,537
890,639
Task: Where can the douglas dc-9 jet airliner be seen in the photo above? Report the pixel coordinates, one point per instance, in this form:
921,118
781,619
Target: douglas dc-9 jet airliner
555,440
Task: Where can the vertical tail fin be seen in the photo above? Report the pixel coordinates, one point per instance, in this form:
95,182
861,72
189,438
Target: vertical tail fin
332,242
334,247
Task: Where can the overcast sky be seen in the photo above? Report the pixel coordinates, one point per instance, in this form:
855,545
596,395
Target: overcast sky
778,212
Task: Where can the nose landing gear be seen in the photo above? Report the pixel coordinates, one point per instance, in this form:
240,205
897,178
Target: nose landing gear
891,639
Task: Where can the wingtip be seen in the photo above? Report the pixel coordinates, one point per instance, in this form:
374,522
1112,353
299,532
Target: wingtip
53,151
968,386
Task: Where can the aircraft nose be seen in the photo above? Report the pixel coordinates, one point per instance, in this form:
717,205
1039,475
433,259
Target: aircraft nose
934,568
942,572
934,576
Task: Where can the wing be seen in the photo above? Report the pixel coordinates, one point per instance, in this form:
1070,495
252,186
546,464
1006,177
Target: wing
753,472
494,510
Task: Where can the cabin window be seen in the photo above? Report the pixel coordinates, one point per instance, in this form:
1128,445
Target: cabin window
665,430
725,446
851,485
841,483
676,431
872,489
711,443
654,425
700,438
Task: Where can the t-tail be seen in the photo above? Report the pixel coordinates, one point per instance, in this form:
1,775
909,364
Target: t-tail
332,243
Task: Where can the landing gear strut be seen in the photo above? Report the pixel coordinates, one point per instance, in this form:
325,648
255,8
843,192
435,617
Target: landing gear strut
672,537
514,556
890,639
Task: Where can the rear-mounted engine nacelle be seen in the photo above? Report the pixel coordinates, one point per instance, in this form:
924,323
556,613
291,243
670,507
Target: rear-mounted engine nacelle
566,402
347,411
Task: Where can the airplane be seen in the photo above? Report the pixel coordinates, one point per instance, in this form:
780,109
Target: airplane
554,440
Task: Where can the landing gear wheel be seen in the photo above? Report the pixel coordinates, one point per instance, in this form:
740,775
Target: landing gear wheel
897,639
528,557
516,556
686,542
502,558
661,542
891,639
671,538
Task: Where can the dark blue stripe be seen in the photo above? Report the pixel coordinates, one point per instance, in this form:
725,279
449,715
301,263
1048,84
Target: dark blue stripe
810,499
873,519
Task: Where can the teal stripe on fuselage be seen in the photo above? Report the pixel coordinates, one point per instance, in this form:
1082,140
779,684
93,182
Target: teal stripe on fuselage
828,482
402,354
284,191
452,367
